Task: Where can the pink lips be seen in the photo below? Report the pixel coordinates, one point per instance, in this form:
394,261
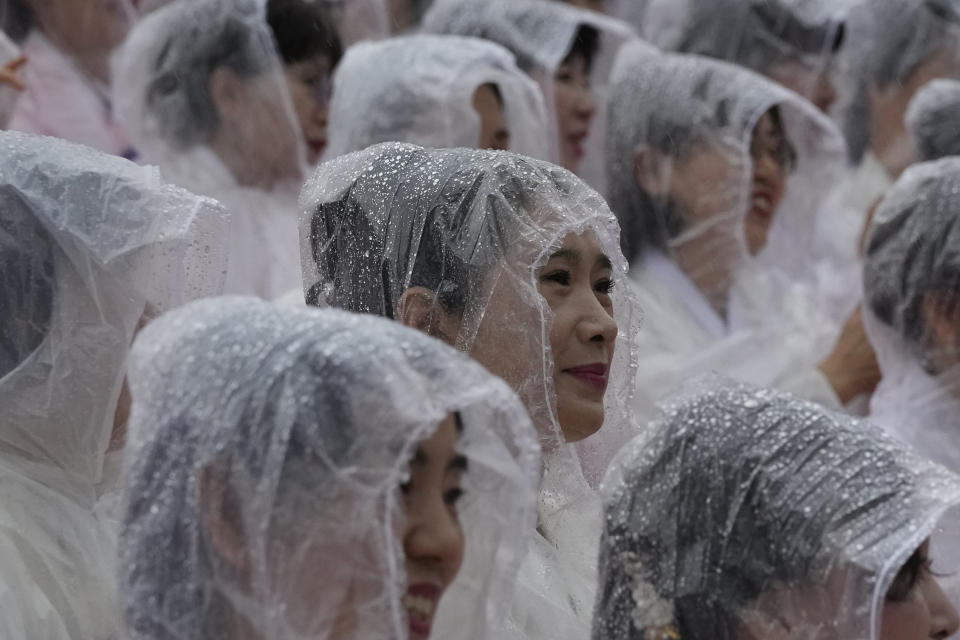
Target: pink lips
593,374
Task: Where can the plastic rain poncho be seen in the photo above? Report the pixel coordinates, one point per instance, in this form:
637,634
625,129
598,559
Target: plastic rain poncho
910,281
747,513
894,47
67,78
200,88
932,120
540,35
474,227
420,89
791,41
308,420
692,120
91,247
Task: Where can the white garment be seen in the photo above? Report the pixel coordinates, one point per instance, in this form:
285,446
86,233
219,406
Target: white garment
264,237
683,336
557,583
99,245
60,100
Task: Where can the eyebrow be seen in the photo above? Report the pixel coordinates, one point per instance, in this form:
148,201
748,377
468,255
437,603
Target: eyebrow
603,260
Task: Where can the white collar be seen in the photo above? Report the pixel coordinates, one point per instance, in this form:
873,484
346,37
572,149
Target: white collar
667,274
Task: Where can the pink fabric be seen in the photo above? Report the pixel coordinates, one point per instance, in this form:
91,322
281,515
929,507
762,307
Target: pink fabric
59,101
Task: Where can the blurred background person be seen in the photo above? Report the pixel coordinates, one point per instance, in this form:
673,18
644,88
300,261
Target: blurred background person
68,84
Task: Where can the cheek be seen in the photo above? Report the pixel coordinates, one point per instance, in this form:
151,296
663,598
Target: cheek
904,621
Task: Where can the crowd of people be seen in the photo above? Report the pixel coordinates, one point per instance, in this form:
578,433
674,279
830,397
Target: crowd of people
467,319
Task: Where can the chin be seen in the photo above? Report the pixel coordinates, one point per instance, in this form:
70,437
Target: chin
579,423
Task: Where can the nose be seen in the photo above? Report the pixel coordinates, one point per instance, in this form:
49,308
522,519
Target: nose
944,620
596,324
825,94
434,539
586,104
767,172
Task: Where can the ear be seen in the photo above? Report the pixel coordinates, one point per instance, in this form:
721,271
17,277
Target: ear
418,308
226,91
221,518
651,170
940,314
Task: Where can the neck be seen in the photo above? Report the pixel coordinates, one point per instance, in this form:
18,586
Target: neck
700,265
230,150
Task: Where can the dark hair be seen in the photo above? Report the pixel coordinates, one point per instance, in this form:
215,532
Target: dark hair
421,218
163,544
200,42
586,44
27,286
16,19
747,498
303,30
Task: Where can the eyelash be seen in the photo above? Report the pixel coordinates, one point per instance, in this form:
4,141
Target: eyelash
450,498
603,287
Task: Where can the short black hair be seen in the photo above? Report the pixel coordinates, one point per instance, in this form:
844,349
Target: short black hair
586,44
303,30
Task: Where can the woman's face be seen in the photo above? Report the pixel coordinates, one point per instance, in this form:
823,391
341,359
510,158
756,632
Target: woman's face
85,27
310,88
493,126
770,153
432,538
323,598
576,283
916,607
256,137
575,107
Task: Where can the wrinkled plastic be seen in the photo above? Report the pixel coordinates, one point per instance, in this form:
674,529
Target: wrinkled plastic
67,77
309,418
91,247
910,281
932,119
761,35
420,89
748,511
686,184
375,220
246,150
540,35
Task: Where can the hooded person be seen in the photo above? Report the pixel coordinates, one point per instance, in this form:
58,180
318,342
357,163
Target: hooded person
517,263
714,171
202,91
310,49
792,43
748,513
91,248
312,435
932,120
895,48
911,282
570,52
67,83
435,91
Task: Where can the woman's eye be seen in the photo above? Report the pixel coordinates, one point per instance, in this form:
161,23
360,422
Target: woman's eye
559,277
604,286
564,76
452,497
405,488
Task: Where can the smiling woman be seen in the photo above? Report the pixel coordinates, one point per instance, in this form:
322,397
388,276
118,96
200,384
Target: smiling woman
517,263
318,475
